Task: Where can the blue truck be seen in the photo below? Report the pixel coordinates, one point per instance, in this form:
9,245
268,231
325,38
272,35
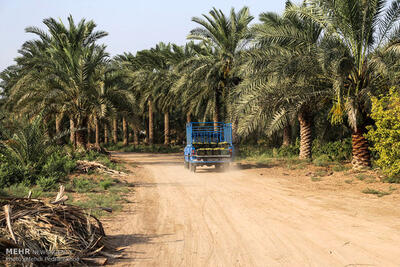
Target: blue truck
208,144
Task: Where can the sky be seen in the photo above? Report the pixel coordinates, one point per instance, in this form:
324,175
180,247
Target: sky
132,25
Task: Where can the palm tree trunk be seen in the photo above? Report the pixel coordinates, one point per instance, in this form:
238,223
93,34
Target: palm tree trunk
89,132
81,134
135,136
216,115
188,117
97,132
105,133
46,127
361,155
125,130
287,138
166,128
58,124
58,128
72,138
151,133
305,135
115,129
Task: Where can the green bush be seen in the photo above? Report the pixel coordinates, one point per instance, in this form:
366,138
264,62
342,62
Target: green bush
336,151
29,155
385,136
145,148
106,184
47,183
289,151
60,163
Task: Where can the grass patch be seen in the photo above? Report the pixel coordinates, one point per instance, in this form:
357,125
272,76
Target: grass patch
340,168
349,181
22,190
94,201
316,179
322,161
376,192
365,177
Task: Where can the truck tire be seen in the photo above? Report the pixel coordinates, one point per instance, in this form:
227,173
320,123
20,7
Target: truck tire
186,165
192,167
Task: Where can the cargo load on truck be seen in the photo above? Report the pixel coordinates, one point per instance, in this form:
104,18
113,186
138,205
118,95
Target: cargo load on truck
208,144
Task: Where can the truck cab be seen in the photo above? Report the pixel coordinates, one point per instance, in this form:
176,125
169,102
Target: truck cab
208,144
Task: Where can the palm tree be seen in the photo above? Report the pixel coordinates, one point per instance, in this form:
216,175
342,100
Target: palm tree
359,30
284,81
67,61
210,71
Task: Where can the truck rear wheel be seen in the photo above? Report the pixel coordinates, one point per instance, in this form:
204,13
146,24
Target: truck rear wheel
192,167
186,165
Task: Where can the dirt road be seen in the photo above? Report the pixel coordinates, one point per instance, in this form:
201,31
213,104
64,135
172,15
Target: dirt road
253,217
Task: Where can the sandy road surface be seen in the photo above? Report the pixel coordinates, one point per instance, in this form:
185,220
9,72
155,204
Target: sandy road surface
247,218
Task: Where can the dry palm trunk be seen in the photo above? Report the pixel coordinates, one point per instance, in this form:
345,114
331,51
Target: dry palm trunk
305,121
105,133
115,129
361,155
97,132
287,136
72,132
166,128
151,130
125,130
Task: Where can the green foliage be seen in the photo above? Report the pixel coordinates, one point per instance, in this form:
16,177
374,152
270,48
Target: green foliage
83,185
322,161
386,135
288,151
376,192
336,151
145,148
29,156
340,168
106,184
47,183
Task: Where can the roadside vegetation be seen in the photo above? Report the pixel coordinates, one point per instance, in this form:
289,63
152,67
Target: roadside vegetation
316,84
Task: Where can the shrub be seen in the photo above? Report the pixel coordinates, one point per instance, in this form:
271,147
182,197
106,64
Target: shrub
60,163
385,136
105,184
289,151
82,185
336,151
47,183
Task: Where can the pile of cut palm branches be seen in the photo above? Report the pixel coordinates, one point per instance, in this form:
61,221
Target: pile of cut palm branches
86,166
48,233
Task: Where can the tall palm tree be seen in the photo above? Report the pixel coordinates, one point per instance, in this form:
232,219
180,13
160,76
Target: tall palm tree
359,30
67,60
284,81
223,38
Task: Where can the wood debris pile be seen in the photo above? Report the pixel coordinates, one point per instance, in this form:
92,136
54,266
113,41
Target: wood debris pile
50,233
86,166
